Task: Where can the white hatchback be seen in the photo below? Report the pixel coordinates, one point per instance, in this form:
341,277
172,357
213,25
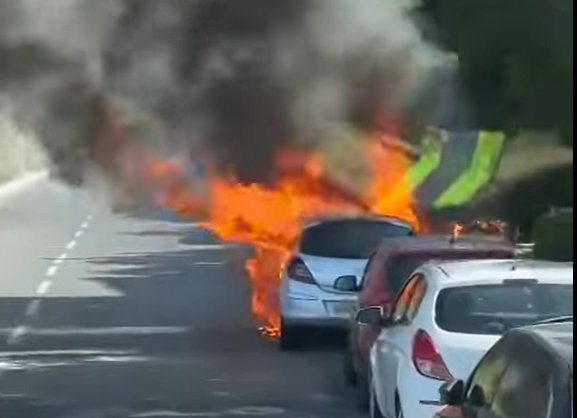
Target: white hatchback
319,284
447,317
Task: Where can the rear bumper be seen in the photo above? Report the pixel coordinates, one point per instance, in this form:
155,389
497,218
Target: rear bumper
419,395
318,323
310,306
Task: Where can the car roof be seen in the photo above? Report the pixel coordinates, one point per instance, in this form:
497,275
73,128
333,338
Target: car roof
557,337
321,220
441,243
478,272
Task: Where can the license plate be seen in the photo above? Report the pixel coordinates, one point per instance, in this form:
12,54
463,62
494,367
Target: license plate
341,309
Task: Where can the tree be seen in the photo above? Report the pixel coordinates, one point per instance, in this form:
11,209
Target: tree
516,59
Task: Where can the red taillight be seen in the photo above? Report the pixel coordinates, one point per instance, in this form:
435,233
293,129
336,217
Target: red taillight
427,358
299,272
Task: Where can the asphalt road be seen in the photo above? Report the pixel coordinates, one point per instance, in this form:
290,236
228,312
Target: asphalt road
107,315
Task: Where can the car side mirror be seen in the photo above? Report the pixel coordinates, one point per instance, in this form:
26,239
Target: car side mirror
375,316
453,393
347,284
477,397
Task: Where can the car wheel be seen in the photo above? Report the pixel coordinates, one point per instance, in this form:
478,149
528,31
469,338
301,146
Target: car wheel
351,377
399,407
291,338
363,394
374,409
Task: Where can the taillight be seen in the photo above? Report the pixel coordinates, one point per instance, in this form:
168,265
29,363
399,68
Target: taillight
298,271
427,358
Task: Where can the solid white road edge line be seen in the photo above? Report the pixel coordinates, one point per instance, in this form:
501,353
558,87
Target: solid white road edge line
111,331
14,186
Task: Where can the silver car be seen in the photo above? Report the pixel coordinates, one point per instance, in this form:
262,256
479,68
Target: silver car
319,284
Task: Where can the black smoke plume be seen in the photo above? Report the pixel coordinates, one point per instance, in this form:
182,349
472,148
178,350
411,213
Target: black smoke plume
241,79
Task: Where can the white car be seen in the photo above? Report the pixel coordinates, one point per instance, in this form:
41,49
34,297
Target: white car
319,284
447,317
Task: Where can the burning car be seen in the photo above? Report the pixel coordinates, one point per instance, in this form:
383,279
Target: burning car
318,285
265,214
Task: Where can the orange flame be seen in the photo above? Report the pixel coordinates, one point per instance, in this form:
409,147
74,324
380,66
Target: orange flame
458,230
270,217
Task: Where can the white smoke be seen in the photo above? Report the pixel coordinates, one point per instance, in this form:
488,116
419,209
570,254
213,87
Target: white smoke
76,30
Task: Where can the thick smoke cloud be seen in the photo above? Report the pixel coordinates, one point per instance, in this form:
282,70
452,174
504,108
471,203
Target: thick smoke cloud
240,78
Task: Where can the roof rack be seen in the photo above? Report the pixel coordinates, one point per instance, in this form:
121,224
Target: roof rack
556,320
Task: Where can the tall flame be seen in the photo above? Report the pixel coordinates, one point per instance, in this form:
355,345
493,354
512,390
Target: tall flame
270,217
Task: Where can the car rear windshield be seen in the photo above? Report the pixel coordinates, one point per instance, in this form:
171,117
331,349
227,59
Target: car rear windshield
496,309
350,239
398,268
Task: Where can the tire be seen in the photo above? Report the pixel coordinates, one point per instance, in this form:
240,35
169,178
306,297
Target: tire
363,394
291,338
374,410
350,374
398,407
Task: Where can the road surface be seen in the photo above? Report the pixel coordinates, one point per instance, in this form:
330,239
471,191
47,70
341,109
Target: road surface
105,315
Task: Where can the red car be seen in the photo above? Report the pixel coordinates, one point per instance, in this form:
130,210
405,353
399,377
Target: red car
386,273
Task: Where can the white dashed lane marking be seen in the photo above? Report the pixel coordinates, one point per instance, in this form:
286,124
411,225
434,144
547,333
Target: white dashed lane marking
33,308
44,287
52,270
17,334
61,258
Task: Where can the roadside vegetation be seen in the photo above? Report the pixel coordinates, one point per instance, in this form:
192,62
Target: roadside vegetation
516,64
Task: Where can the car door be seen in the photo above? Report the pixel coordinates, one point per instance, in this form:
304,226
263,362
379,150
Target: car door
526,390
357,331
373,291
485,380
393,345
370,295
386,276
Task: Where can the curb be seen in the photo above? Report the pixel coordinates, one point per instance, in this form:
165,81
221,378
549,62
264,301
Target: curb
27,180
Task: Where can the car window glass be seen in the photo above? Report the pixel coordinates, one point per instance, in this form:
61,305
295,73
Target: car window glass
487,377
373,285
399,268
416,300
526,388
348,239
494,309
403,303
367,270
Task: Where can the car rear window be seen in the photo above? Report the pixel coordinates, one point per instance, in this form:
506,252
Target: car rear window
350,239
399,267
495,309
